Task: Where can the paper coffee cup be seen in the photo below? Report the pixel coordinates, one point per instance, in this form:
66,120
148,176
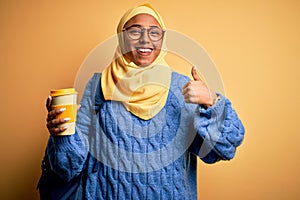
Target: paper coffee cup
66,99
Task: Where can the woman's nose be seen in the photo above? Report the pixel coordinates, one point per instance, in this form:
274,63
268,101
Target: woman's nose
144,38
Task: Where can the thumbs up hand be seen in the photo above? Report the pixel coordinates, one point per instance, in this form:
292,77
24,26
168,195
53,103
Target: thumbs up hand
195,91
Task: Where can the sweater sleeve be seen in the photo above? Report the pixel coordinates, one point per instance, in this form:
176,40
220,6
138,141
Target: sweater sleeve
219,132
67,154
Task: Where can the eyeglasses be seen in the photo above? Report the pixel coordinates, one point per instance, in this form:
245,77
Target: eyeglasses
135,33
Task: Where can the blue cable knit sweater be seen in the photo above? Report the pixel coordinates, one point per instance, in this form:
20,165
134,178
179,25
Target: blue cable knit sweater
125,157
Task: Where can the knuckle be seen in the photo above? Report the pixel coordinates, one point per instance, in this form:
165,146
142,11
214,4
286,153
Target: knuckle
55,121
52,113
189,88
56,130
49,125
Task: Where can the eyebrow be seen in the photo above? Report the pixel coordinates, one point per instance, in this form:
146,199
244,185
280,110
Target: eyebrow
138,25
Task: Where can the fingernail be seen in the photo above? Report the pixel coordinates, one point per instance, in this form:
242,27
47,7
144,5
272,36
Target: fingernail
62,109
67,119
66,127
194,67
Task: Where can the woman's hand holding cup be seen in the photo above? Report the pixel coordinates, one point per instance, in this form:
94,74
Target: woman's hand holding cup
62,109
54,124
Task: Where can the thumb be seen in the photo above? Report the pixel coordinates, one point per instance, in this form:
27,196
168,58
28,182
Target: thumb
195,74
49,103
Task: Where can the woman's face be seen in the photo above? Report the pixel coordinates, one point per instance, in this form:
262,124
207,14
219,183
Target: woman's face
142,51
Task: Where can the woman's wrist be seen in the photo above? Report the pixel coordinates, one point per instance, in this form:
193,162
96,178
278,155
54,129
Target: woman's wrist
213,100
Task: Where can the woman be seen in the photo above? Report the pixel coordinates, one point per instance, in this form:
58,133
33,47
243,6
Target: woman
140,125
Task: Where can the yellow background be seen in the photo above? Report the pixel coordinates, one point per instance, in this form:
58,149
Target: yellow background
255,45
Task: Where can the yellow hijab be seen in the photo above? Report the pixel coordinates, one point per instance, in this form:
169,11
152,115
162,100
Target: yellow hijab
142,90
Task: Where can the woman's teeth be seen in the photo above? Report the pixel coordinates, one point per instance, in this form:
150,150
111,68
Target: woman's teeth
145,50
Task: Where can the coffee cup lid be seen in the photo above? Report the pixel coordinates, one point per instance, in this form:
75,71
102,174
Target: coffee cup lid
61,92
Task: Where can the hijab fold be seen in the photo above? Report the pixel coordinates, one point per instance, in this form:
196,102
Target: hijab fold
142,90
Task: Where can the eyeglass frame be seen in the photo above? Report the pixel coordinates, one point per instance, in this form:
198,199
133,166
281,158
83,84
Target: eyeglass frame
143,31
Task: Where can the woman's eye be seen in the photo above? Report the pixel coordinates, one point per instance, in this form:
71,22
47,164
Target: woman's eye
134,32
154,33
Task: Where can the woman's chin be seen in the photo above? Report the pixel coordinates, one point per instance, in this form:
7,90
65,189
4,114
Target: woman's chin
142,63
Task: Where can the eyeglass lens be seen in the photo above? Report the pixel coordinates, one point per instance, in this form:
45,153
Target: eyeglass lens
136,33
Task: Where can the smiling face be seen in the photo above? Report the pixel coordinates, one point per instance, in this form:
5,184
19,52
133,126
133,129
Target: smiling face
142,51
